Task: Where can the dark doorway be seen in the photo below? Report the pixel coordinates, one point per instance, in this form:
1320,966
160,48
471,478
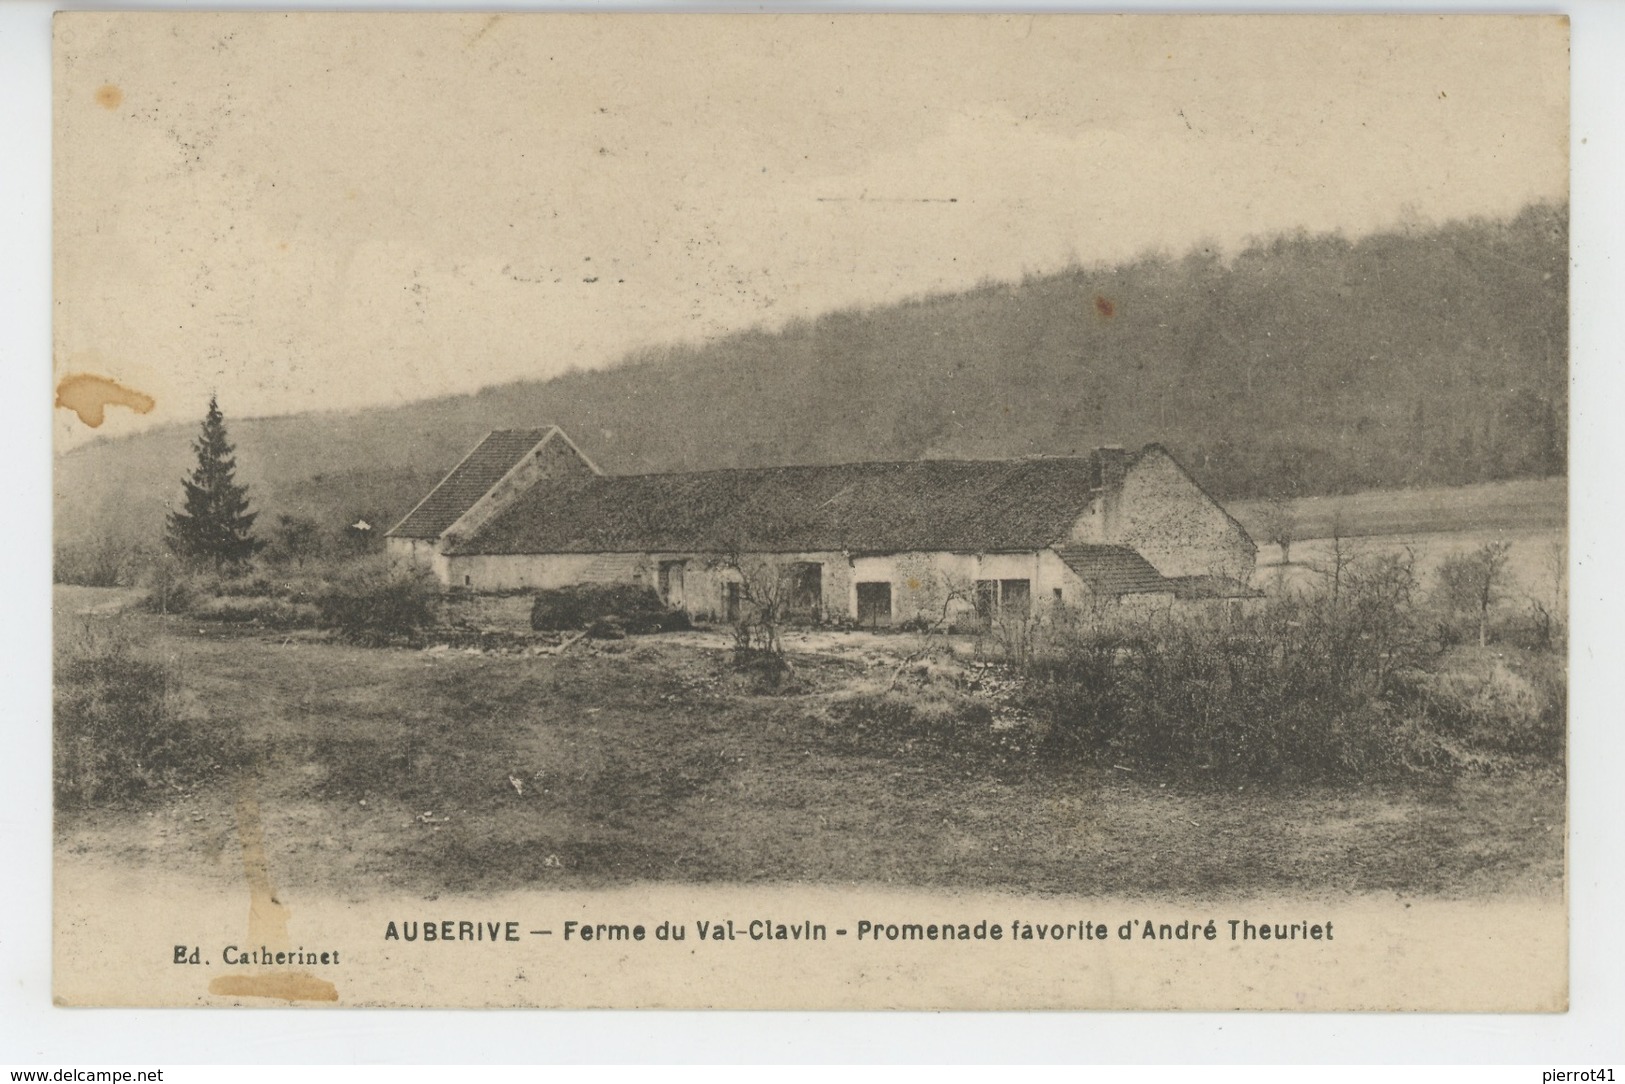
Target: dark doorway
874,604
671,583
1003,600
806,591
987,600
1015,599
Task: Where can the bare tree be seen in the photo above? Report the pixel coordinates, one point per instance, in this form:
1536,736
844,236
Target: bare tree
1557,569
1379,616
294,540
1550,606
102,561
1343,553
1280,526
1474,582
764,589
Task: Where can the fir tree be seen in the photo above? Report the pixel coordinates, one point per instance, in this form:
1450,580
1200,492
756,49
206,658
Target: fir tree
216,523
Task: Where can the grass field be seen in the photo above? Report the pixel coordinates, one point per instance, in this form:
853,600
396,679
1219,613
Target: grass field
1429,525
651,760
1536,569
1528,504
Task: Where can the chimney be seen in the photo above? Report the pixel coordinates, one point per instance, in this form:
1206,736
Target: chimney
1111,463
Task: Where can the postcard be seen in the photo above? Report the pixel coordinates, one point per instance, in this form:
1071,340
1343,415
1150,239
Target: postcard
811,512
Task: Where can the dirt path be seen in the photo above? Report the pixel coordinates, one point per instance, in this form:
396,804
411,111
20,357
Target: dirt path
93,601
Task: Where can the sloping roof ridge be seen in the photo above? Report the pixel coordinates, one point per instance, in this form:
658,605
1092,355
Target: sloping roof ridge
545,433
1078,547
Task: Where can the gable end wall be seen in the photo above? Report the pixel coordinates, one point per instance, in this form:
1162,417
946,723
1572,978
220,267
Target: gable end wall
554,457
1176,526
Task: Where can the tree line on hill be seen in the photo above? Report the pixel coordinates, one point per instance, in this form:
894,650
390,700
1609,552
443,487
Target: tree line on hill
1305,364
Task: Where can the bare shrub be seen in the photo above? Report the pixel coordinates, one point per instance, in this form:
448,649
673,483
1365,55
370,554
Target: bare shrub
1348,681
931,629
1307,686
174,586
277,613
103,561
1281,526
1544,625
377,603
1472,584
248,584
763,589
295,540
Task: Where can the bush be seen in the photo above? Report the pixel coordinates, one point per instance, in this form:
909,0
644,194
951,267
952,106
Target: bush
765,669
1344,683
378,604
272,612
1305,688
631,607
1483,700
256,585
175,588
121,727
104,561
1536,627
606,628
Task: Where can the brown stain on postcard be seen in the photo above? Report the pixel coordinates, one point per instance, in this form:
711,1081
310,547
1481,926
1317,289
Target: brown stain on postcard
267,919
109,96
283,985
89,396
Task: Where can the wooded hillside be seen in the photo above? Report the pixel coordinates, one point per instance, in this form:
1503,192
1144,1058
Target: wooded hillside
1307,364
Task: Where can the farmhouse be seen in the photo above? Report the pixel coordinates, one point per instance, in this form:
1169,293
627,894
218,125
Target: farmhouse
877,543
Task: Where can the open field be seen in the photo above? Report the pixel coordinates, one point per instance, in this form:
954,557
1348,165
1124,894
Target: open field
1536,569
652,760
1528,504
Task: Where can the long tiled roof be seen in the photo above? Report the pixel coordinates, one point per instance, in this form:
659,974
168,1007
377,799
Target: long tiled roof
1113,570
481,469
973,506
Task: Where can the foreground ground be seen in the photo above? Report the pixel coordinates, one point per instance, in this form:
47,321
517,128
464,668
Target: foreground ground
367,770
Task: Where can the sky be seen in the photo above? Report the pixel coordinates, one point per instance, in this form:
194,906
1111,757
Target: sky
328,212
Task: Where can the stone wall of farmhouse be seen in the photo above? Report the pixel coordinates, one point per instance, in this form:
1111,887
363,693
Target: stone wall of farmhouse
421,553
513,572
1091,526
1174,525
705,575
922,582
